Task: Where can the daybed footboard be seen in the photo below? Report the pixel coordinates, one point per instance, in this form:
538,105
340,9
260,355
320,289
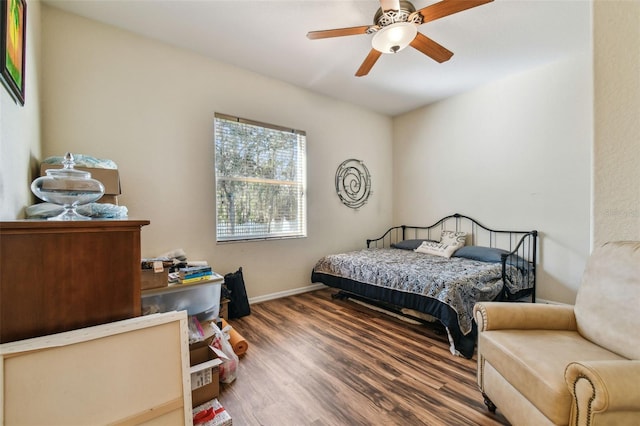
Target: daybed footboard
523,257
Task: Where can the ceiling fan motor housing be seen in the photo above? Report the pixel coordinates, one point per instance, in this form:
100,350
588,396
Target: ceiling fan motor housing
406,13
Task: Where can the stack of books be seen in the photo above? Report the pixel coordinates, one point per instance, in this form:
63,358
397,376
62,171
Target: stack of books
194,274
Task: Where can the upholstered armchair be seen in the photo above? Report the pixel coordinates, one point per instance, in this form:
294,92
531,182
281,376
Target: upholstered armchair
543,364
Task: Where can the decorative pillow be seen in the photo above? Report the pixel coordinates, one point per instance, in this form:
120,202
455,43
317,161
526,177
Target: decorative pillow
492,255
483,254
438,249
451,238
409,244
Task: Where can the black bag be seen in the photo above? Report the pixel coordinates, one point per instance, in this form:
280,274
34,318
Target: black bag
239,303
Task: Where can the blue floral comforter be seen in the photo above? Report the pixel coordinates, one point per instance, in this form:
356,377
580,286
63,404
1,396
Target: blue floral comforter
456,282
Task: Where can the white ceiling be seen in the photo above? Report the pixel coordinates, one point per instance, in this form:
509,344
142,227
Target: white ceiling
269,38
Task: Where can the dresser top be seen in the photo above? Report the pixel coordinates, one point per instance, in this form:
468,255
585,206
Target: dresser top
76,225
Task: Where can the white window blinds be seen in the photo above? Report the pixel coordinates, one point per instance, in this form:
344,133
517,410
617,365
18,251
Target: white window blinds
260,180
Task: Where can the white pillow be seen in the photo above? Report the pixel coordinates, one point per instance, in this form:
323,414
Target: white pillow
438,249
451,238
450,241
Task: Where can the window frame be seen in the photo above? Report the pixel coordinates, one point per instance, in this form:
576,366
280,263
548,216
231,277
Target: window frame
299,182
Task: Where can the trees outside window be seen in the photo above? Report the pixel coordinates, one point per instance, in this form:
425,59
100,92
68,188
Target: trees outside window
260,180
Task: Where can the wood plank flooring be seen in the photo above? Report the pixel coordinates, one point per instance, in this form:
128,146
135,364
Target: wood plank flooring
317,361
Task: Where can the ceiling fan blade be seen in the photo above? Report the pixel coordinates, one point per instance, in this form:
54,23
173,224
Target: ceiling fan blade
368,63
430,48
389,5
338,32
448,7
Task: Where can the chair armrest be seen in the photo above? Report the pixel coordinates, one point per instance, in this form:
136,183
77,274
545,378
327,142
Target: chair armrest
523,316
603,386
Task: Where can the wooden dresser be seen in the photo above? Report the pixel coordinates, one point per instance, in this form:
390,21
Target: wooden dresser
61,275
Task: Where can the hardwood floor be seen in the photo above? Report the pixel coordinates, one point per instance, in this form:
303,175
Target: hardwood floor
313,360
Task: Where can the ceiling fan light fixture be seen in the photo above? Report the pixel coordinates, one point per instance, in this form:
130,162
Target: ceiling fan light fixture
395,37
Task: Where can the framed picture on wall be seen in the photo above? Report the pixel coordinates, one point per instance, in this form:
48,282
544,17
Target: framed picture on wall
12,46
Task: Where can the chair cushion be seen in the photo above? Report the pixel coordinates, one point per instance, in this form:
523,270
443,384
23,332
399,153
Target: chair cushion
533,362
608,298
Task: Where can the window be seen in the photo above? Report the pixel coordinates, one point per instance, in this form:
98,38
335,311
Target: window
260,180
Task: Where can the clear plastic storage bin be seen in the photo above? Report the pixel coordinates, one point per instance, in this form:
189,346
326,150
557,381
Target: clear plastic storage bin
202,299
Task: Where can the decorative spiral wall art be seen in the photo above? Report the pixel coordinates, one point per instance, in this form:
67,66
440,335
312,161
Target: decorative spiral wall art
353,183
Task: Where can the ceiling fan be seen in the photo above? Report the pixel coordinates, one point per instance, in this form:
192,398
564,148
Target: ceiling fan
396,27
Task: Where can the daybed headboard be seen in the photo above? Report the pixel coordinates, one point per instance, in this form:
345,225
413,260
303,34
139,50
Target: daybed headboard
523,244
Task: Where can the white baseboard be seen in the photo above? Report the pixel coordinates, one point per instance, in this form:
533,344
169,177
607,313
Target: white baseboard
285,293
550,302
319,286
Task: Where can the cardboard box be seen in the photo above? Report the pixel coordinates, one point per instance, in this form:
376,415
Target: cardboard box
205,382
205,378
111,199
200,352
224,309
151,279
110,178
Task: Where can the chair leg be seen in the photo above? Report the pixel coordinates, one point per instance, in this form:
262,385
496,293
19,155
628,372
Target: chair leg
490,405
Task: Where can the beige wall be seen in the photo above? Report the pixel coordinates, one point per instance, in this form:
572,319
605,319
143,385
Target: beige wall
616,166
514,154
150,108
20,129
